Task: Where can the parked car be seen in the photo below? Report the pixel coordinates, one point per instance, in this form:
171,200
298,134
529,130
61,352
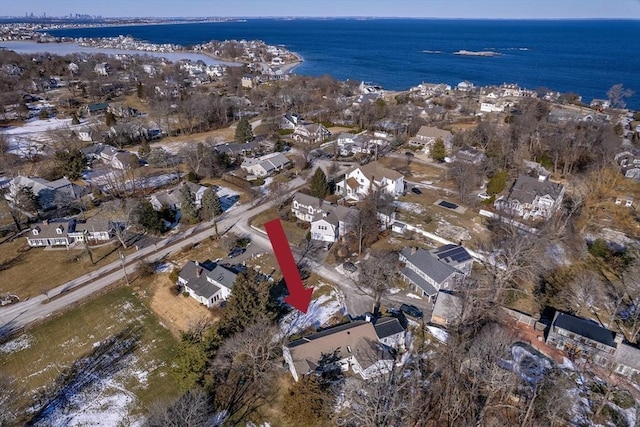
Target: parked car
416,190
411,310
349,266
409,154
236,252
484,196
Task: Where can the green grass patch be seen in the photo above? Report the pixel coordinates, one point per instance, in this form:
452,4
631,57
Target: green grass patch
52,348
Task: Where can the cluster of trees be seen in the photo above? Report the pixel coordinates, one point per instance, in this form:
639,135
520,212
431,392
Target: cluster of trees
231,364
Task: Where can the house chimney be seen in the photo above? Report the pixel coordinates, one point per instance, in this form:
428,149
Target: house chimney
198,272
413,250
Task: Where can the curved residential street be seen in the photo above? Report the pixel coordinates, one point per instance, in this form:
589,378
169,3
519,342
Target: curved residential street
17,316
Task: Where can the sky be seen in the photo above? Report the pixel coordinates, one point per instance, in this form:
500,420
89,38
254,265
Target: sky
496,9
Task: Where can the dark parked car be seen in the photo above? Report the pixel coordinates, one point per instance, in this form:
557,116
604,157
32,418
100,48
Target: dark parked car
236,251
349,266
416,190
411,310
409,154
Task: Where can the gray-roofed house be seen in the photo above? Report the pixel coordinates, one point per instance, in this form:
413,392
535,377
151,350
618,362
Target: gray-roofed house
430,271
390,332
265,165
328,222
50,193
469,155
428,135
208,284
235,149
627,359
629,162
359,180
447,310
310,133
51,233
529,197
583,339
170,199
353,346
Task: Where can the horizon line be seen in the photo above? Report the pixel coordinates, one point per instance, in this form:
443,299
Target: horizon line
338,17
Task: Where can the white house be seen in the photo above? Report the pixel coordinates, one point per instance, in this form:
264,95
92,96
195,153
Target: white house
360,180
265,165
171,199
491,107
389,331
328,222
207,283
102,69
428,135
530,197
353,346
310,133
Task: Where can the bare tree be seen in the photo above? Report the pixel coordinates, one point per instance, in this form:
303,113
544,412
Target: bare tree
192,409
465,176
379,401
618,95
376,276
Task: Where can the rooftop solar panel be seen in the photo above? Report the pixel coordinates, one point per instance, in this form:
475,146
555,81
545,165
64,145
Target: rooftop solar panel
449,205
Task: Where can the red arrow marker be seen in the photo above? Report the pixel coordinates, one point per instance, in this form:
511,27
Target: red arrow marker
299,296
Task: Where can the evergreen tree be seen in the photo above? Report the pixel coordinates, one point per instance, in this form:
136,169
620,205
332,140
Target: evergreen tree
244,131
140,90
109,119
149,219
438,151
27,200
71,163
188,205
251,301
319,184
497,183
211,206
308,402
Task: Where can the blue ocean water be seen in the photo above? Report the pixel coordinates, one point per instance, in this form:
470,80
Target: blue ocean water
581,56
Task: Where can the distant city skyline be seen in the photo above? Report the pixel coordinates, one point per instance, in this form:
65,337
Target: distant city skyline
481,9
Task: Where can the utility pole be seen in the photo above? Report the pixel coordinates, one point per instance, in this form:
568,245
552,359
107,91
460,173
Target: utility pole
124,270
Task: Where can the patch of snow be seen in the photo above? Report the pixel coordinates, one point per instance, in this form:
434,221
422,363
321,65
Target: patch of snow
320,311
452,232
106,405
410,207
567,364
527,365
23,342
439,334
414,296
163,267
394,291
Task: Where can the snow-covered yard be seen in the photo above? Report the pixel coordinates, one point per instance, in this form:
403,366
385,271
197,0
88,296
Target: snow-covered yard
30,139
320,311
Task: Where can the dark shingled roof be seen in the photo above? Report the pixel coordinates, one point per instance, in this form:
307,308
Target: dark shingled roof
419,281
526,188
428,263
585,328
387,326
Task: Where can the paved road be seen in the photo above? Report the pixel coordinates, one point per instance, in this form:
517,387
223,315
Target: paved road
19,315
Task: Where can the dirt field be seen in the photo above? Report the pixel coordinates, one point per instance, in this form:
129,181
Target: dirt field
176,312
